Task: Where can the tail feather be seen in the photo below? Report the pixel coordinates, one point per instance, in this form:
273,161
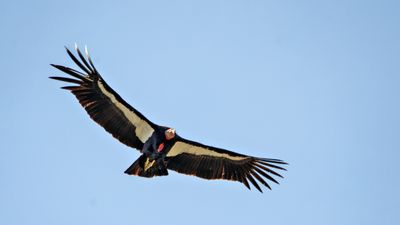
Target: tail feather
144,167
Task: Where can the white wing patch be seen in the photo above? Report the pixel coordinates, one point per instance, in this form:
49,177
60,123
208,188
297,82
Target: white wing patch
143,129
181,147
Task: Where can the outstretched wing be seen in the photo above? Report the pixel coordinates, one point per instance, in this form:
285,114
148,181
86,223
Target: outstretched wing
104,105
192,158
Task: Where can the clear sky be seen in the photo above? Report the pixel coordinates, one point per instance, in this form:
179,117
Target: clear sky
315,83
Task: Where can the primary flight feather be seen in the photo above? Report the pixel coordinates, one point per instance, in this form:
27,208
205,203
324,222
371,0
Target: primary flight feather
161,147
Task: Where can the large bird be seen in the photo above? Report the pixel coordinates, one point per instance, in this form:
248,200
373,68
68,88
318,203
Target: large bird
161,147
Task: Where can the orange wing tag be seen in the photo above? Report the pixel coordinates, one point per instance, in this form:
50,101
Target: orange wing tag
160,147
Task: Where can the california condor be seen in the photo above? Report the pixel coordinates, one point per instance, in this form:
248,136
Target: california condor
161,147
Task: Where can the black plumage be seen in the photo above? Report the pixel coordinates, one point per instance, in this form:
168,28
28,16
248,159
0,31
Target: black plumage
161,147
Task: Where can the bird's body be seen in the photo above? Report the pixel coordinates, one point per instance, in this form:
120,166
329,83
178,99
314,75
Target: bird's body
153,162
162,149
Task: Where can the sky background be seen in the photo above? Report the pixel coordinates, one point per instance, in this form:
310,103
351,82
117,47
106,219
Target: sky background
315,83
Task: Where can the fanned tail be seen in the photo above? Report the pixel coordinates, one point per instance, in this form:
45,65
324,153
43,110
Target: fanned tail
145,167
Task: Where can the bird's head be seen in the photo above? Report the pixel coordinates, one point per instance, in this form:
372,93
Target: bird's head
169,134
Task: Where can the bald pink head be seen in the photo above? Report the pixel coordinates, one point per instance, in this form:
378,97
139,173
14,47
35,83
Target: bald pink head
169,134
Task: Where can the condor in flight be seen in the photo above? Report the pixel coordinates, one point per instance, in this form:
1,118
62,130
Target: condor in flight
161,147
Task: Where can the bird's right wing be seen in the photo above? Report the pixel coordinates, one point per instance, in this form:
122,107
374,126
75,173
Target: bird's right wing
193,158
104,105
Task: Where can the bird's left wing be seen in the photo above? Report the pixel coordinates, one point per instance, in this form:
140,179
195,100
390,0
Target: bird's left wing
192,158
104,105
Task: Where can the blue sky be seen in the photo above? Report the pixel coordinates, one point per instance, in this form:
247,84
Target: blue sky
315,83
